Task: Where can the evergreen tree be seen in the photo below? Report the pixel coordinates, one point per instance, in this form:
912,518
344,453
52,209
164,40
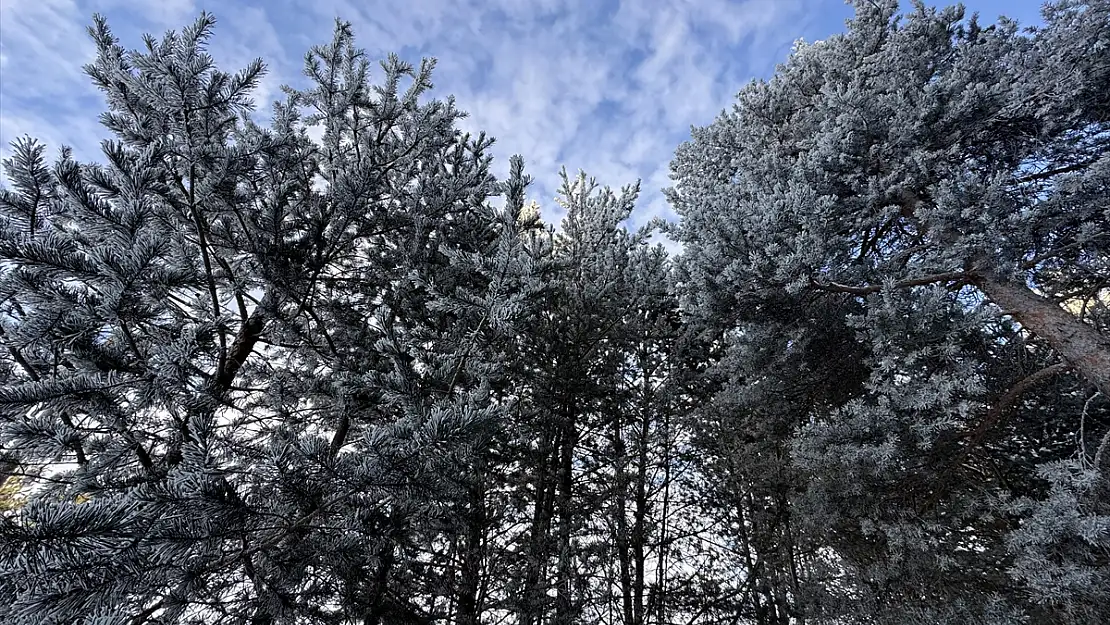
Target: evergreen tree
862,231
247,376
571,361
253,364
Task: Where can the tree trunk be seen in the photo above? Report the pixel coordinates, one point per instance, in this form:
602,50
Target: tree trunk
639,526
660,606
621,526
565,575
1078,343
532,607
376,610
473,551
8,465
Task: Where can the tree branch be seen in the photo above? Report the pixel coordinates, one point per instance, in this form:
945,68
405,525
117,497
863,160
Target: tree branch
1042,175
834,287
244,343
995,414
78,448
1010,397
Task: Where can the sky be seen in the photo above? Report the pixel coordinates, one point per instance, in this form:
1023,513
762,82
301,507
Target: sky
610,87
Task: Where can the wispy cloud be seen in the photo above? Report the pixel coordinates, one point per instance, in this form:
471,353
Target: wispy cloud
608,86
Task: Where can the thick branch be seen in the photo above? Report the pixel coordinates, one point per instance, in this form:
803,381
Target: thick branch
241,349
867,289
239,301
144,616
202,243
1078,343
243,345
340,436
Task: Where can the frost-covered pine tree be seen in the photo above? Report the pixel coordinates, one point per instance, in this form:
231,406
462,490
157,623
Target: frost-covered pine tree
565,366
862,231
242,369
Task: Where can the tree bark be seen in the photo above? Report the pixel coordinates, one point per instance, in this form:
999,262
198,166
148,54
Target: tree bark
532,607
565,578
473,551
1079,344
9,462
639,527
621,522
375,612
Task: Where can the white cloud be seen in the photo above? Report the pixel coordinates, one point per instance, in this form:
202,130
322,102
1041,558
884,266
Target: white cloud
610,86
48,59
162,14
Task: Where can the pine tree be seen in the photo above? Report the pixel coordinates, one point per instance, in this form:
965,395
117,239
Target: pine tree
247,376
861,233
251,363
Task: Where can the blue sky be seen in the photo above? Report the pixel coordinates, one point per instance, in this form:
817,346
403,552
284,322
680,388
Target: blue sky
609,86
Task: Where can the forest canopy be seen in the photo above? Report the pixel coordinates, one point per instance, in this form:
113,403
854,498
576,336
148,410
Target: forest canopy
329,370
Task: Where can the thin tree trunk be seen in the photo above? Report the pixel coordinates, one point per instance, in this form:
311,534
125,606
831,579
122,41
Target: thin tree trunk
376,612
792,553
564,590
660,607
1078,343
473,548
639,527
531,611
622,533
751,582
639,538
